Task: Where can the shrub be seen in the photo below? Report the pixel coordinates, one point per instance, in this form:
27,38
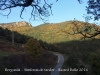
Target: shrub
33,48
72,61
95,62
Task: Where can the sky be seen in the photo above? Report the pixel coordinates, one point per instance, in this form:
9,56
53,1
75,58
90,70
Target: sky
63,10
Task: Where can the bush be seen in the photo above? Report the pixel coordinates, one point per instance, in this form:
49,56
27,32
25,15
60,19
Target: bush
72,61
95,62
33,48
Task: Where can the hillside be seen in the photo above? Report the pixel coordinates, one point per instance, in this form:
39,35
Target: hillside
12,56
52,35
55,37
52,32
6,45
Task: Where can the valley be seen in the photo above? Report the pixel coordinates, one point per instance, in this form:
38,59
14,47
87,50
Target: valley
55,37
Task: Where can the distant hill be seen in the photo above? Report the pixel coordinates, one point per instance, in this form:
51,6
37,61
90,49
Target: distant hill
49,32
52,36
53,32
16,24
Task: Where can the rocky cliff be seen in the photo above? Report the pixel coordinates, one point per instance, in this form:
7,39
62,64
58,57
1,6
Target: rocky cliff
16,24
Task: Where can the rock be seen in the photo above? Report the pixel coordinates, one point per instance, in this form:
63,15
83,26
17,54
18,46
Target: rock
17,24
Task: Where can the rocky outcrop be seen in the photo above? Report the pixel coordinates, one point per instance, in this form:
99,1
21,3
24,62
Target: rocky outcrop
16,24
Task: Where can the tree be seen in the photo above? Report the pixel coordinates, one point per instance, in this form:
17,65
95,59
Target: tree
95,62
40,8
94,8
2,33
72,61
33,48
86,29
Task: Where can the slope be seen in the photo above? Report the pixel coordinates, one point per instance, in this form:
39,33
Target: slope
54,32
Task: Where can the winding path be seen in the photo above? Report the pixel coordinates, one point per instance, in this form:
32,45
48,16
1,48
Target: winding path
59,65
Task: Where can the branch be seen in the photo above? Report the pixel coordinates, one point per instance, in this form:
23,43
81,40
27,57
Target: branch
22,12
14,4
80,1
85,29
38,10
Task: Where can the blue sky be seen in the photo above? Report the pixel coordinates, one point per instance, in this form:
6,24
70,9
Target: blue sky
63,10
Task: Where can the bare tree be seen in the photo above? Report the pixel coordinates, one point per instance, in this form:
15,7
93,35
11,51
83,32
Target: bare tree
44,10
86,29
40,8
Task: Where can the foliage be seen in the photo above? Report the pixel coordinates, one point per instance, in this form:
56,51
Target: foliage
33,48
5,53
53,32
2,33
43,8
72,61
22,61
52,37
19,38
85,29
95,62
93,8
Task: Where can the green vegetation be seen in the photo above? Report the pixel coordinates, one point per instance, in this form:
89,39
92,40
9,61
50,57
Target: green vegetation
33,48
18,38
53,37
22,61
95,62
72,61
53,32
13,57
5,53
84,52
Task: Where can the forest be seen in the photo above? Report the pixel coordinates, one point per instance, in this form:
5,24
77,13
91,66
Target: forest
79,53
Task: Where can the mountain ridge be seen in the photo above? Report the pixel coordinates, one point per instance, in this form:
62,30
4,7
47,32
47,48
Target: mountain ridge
53,32
16,24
